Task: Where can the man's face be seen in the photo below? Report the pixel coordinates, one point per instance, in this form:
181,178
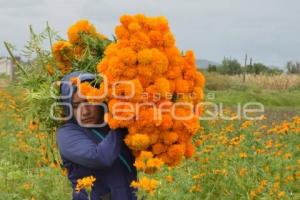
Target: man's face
85,113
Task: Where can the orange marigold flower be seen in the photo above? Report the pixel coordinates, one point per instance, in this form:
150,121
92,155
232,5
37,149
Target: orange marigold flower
139,41
111,50
121,32
112,122
174,72
156,38
153,164
160,62
102,66
130,72
169,179
148,185
145,71
165,158
167,122
126,20
163,85
50,69
242,172
140,165
85,88
62,51
33,125
182,86
144,155
199,94
85,183
64,67
158,148
176,151
190,57
189,150
127,56
168,40
134,27
137,141
170,137
145,57
243,155
153,138
199,80
81,26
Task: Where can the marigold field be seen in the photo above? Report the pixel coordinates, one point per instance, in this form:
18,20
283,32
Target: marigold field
234,159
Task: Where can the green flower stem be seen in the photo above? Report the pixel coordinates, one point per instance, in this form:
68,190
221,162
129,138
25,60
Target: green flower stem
14,59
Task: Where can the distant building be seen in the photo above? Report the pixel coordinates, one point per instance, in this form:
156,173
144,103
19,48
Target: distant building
7,67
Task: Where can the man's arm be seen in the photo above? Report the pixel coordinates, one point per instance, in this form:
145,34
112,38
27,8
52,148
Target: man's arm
77,147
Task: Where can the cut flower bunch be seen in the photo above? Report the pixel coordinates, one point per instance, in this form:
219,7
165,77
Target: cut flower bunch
152,89
84,48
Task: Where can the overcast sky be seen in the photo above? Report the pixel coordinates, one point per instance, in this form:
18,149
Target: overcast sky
267,30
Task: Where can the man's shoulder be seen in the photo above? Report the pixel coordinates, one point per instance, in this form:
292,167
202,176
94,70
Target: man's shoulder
68,125
68,129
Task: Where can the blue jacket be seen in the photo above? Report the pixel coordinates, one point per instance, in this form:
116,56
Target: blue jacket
98,152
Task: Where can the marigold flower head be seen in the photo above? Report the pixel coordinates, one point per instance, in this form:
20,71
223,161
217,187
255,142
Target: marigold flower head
170,137
134,27
243,155
137,141
50,70
148,185
140,165
182,86
176,151
167,122
144,155
145,57
169,179
64,67
163,85
33,125
81,26
168,40
127,56
62,51
102,66
160,62
156,38
189,150
199,80
158,148
139,41
126,20
155,163
85,183
84,88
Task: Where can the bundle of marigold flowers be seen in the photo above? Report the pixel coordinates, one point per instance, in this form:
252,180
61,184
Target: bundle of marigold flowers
152,90
82,51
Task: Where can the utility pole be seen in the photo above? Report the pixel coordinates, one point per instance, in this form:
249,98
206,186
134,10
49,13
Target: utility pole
244,71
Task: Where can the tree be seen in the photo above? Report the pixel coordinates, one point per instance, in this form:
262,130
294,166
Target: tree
260,68
230,66
212,68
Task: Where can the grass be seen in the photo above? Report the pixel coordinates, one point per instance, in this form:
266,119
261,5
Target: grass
236,159
281,82
23,175
268,98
